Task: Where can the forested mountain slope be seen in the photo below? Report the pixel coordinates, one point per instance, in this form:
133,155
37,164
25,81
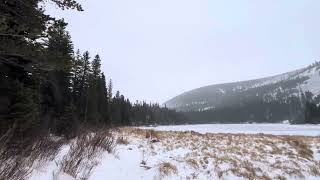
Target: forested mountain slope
276,91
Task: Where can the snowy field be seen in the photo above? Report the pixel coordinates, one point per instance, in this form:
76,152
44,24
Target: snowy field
145,154
275,129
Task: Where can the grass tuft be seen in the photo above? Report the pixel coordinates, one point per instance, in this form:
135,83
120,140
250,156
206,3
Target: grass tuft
167,168
122,140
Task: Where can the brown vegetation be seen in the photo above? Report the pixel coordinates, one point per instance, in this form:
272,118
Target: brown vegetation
166,168
236,154
84,153
122,140
20,163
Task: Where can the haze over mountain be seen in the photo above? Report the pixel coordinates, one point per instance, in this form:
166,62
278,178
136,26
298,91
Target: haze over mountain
247,94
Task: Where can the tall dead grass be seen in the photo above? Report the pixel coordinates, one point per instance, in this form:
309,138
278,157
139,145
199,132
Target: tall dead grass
242,155
19,164
301,147
166,168
84,153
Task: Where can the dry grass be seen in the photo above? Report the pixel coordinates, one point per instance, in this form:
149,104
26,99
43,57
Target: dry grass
152,134
302,148
314,170
193,163
166,168
236,154
122,140
19,164
279,177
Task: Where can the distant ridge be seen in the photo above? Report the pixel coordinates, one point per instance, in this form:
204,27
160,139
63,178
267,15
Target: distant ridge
224,95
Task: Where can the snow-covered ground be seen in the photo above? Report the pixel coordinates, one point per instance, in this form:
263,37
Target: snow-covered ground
275,129
146,154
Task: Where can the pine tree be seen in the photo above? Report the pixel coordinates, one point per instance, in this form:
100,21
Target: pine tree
96,67
103,99
76,79
110,90
109,97
95,92
84,85
116,109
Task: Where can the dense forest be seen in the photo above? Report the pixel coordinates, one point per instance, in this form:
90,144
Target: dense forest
48,88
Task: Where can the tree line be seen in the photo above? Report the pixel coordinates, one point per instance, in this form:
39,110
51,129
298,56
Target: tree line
47,88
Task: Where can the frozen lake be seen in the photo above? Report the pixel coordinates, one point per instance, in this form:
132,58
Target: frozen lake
275,129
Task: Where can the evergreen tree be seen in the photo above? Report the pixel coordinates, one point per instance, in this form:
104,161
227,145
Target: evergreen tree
95,93
76,81
103,102
60,51
84,85
109,97
110,90
96,67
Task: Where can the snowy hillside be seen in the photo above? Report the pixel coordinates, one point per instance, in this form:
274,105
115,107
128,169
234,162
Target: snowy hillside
223,95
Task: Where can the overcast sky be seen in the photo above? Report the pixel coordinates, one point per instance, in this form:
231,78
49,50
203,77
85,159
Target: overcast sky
156,49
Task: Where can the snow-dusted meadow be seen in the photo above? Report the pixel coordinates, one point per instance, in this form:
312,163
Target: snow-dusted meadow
274,129
228,151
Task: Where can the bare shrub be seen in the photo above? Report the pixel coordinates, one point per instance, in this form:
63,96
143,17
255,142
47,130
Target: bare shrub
314,171
152,134
302,148
250,172
122,140
229,140
136,132
195,133
167,168
193,163
265,177
279,177
285,169
84,153
17,162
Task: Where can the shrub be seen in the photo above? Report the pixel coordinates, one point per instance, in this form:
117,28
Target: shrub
18,162
167,168
193,163
122,140
84,153
152,134
302,148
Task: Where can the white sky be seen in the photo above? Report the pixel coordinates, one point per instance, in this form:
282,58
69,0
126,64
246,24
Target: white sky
156,49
